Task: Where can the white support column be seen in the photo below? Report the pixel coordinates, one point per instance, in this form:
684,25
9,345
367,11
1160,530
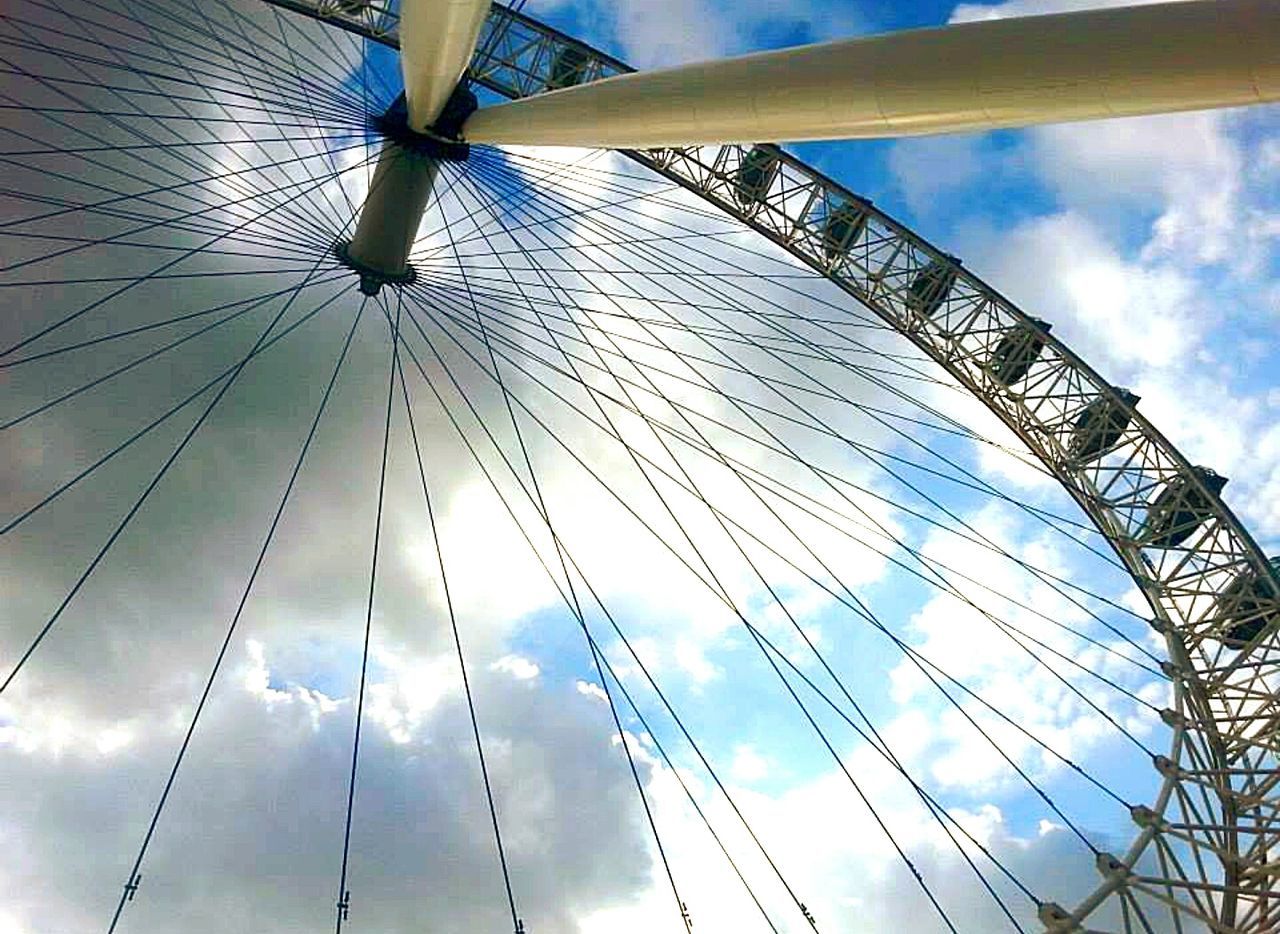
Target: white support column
974,76
437,40
393,209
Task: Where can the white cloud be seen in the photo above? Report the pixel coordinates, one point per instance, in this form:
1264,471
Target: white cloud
838,859
969,12
257,676
11,925
589,689
748,766
1106,307
666,32
1185,170
693,661
114,739
931,168
1025,684
518,667
656,33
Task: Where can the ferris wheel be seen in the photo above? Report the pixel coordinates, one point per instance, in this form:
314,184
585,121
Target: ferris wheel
659,367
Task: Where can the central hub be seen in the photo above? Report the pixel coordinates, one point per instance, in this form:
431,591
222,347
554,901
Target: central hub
401,189
443,140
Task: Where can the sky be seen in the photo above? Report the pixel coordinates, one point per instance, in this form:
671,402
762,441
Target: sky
1149,243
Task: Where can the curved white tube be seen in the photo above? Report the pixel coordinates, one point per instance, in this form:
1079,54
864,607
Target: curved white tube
437,40
974,76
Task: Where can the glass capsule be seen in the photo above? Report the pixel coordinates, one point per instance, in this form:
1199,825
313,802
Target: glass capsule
932,285
755,174
1018,349
1100,425
568,68
1179,509
1249,605
842,228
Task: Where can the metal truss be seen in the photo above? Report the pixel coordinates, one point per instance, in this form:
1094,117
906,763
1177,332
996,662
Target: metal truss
1208,847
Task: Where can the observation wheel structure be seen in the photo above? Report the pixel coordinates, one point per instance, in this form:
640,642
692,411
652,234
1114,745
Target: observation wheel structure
1205,851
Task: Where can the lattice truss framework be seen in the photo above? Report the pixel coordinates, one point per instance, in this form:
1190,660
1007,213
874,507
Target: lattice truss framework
1208,847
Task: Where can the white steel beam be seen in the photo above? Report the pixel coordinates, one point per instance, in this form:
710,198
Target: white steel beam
974,76
437,40
392,212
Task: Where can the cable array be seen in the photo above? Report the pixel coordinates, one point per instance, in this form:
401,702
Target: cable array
181,173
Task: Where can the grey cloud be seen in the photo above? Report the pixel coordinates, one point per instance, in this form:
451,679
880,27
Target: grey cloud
251,837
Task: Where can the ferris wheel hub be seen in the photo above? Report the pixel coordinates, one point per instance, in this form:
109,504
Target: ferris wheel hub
372,279
442,140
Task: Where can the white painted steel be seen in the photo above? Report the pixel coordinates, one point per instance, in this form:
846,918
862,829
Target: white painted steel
437,40
974,76
392,212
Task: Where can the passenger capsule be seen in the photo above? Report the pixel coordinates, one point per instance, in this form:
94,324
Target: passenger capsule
755,174
932,286
568,68
1100,425
1179,509
842,228
1249,605
1018,349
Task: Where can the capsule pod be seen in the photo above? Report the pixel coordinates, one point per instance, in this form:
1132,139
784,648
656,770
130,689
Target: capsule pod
1249,605
755,174
1018,349
842,228
932,285
568,68
1180,509
1100,425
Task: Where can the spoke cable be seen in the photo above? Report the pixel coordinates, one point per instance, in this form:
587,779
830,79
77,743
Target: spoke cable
155,481
231,629
344,896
